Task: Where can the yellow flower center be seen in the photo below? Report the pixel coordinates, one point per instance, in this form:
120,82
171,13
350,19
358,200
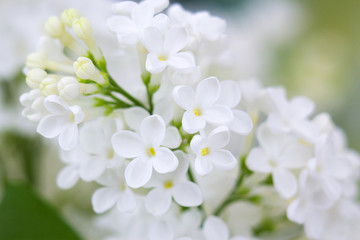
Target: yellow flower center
110,154
197,112
204,151
168,184
152,151
162,57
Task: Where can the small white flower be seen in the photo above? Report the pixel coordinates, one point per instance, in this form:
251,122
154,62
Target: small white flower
147,151
61,121
200,106
33,102
172,185
209,151
278,154
165,51
115,191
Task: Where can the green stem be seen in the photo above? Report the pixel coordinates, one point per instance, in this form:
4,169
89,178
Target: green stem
235,194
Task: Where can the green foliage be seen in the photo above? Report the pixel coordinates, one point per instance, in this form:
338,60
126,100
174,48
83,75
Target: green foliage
25,216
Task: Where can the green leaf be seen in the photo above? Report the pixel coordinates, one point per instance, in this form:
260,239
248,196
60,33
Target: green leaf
24,216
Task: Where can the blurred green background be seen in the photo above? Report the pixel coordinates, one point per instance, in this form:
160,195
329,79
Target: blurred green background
311,47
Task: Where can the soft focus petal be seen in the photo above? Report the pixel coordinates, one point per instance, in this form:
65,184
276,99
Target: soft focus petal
138,172
187,194
161,230
203,166
158,201
165,160
222,159
142,14
230,94
152,130
92,168
257,161
218,115
153,40
127,144
184,96
301,107
51,126
126,201
183,61
285,183
242,123
134,116
68,139
175,40
215,229
219,137
103,199
172,138
208,91
68,177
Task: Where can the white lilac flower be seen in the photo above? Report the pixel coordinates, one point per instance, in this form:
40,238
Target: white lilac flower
200,105
162,230
126,7
209,151
62,120
172,185
216,229
291,115
278,154
114,192
165,50
147,151
130,30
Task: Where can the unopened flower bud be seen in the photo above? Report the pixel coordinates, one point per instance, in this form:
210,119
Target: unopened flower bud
49,86
69,16
54,27
36,60
68,87
82,28
85,69
34,77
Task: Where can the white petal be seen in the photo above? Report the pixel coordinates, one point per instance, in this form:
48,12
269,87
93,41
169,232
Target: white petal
203,166
315,225
295,156
187,194
163,109
296,212
197,143
184,61
272,143
158,201
134,116
51,126
172,138
215,229
103,199
67,177
218,115
142,14
124,7
257,161
222,158
55,104
126,201
285,183
154,64
92,168
159,5
219,137
161,230
301,107
184,96
230,94
153,40
208,91
175,40
152,130
192,123
138,172
165,160
68,138
90,138
128,144
242,123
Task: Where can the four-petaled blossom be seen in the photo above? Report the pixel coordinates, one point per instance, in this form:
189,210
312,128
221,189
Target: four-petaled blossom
172,185
61,121
209,151
115,191
147,151
200,106
278,154
165,51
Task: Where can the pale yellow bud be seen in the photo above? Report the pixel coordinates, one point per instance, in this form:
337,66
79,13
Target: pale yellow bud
69,16
49,86
34,77
82,28
85,69
68,87
36,60
54,27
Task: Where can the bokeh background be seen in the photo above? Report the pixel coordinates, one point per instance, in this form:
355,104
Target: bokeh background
310,47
